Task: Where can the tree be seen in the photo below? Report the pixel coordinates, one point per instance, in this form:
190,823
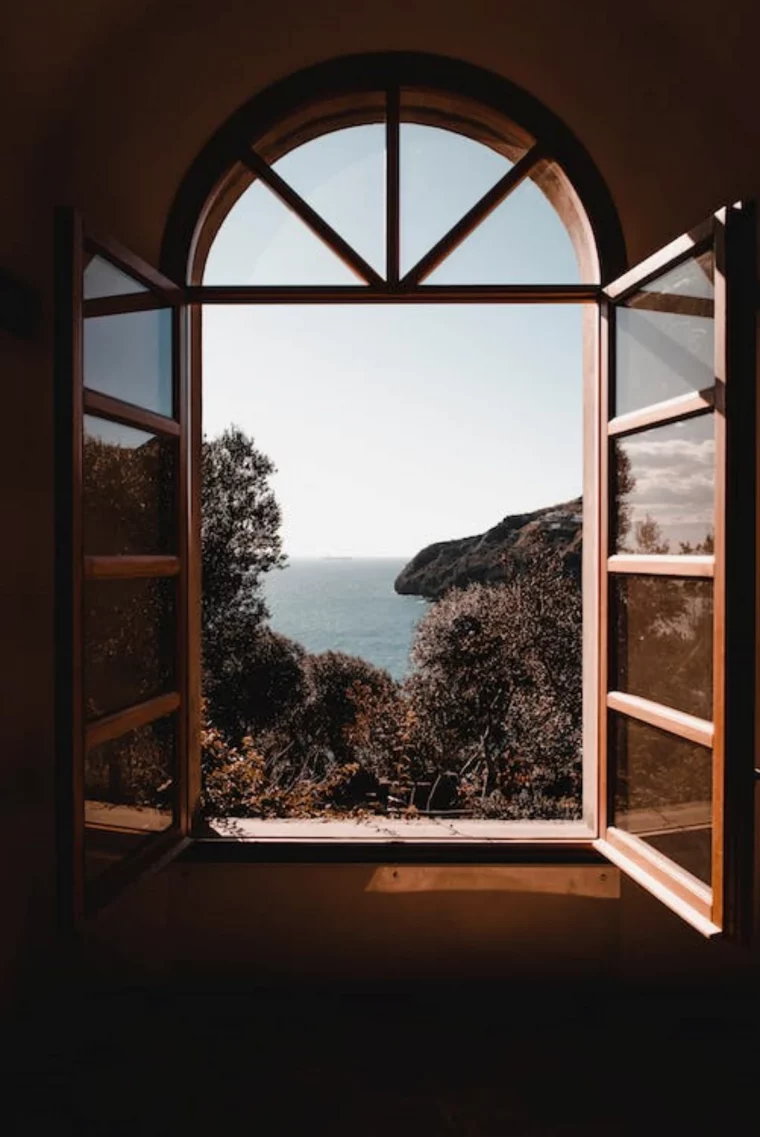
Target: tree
240,537
497,694
240,526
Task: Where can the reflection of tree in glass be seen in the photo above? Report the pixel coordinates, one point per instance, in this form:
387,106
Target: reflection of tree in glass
663,792
129,495
135,770
688,484
129,625
129,633
663,625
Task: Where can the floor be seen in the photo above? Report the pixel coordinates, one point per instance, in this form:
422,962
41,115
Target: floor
464,1063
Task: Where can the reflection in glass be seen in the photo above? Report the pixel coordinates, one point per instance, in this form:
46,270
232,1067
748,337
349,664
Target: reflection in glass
664,490
129,490
129,357
693,277
342,176
101,278
663,631
442,175
664,338
523,241
129,787
663,793
261,241
129,642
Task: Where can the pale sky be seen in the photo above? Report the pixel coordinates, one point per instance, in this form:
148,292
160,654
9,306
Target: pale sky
392,427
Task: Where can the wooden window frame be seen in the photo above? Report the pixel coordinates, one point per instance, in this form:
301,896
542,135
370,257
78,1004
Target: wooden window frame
252,157
726,906
74,736
368,88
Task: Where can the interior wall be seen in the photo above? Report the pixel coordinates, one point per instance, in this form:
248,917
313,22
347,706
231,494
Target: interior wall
105,106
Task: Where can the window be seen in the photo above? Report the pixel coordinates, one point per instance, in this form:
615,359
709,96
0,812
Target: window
668,460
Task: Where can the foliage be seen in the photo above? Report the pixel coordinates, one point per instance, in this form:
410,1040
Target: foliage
497,691
134,770
488,723
243,781
240,535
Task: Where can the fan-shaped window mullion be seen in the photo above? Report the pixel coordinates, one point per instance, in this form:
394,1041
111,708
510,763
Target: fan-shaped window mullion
310,217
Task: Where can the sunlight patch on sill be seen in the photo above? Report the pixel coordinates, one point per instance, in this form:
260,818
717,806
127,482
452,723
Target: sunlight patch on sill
382,829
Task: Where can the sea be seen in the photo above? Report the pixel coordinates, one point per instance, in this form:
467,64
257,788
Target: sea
346,604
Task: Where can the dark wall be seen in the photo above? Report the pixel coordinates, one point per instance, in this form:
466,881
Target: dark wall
104,107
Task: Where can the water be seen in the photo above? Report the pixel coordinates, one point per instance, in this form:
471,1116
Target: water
346,605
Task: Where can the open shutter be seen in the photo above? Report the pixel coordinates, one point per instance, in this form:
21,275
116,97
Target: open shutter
122,483
678,575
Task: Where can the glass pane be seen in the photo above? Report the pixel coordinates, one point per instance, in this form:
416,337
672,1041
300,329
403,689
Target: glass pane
664,337
342,176
523,241
261,241
663,793
442,175
664,488
663,629
101,278
129,642
129,357
129,490
129,788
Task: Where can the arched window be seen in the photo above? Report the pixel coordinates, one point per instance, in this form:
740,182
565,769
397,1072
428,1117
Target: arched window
413,184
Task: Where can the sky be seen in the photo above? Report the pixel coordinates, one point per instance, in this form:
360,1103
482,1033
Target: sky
395,426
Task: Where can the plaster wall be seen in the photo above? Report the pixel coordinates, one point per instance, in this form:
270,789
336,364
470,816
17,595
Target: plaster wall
104,107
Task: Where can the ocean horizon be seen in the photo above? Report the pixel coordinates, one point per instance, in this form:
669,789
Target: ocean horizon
346,604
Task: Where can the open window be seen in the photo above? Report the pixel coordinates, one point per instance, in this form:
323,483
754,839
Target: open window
668,562
678,388
122,490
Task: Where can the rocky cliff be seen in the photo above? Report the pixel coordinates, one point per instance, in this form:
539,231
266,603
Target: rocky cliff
486,558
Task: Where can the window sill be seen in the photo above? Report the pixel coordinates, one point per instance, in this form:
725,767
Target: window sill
385,829
424,841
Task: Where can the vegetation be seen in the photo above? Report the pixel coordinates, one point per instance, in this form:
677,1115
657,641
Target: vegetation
488,723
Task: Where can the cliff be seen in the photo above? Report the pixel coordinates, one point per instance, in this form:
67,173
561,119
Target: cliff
485,558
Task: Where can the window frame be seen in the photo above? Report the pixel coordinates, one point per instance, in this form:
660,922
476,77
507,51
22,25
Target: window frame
75,243
249,157
339,93
724,907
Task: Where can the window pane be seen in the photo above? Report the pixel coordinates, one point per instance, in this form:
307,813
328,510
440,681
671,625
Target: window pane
261,241
664,338
442,175
101,278
129,642
664,488
129,787
342,176
663,793
663,629
129,357
129,480
523,241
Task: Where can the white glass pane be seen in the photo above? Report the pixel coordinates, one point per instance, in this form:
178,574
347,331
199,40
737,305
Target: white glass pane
101,278
262,242
523,241
129,357
442,175
665,337
342,176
